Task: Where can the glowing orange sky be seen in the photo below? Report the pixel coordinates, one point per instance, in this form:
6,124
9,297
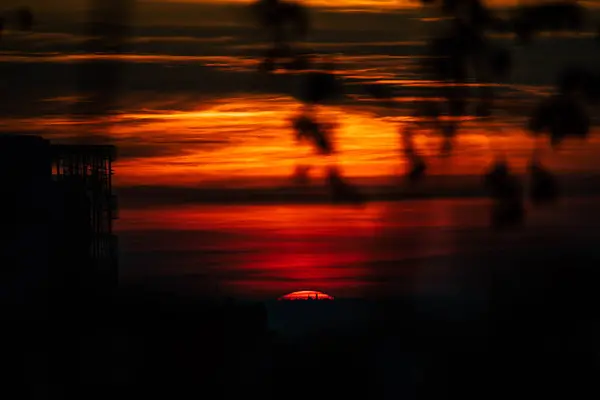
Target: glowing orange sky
243,137
248,135
374,4
259,145
377,4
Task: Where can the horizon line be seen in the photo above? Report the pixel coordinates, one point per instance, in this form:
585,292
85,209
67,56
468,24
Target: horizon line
435,187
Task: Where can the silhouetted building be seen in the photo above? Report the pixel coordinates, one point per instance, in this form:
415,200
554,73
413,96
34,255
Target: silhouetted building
58,212
85,207
25,170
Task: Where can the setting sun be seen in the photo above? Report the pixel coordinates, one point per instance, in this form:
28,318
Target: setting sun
306,295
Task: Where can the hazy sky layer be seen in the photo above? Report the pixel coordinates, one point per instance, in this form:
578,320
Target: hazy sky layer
171,13
231,12
340,4
194,110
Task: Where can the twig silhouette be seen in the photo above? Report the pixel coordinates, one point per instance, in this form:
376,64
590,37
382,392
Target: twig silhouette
21,17
285,22
555,17
467,64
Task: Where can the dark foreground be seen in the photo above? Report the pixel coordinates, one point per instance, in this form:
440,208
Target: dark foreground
526,327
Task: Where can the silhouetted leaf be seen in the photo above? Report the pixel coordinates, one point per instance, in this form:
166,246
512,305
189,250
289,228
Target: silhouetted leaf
447,145
379,91
284,22
501,63
486,102
555,16
318,134
509,213
417,169
302,174
501,183
544,187
24,18
280,51
578,80
273,55
559,117
267,65
458,100
320,87
573,79
342,191
276,15
299,62
431,109
483,109
524,32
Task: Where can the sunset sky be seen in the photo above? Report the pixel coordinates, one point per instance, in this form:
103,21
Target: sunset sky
194,110
197,125
339,5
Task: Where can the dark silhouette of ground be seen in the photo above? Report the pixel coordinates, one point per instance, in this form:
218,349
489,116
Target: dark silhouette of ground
538,325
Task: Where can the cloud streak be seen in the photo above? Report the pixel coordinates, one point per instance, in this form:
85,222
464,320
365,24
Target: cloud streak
201,113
